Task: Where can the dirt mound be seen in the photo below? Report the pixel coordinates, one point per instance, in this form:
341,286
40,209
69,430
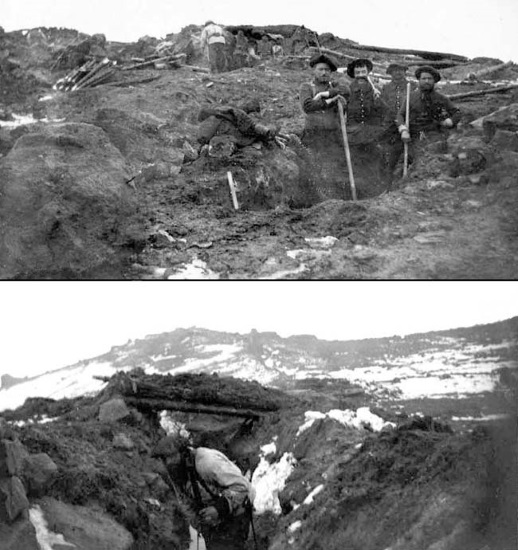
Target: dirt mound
65,204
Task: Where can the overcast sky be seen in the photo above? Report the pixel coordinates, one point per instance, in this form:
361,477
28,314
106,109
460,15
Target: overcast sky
49,325
466,27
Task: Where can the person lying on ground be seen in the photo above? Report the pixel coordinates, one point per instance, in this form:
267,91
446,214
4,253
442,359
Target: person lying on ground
238,127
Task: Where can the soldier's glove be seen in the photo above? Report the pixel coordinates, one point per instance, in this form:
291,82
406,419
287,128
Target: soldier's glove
405,136
447,123
321,95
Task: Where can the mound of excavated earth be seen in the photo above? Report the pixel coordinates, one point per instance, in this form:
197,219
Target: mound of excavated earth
81,472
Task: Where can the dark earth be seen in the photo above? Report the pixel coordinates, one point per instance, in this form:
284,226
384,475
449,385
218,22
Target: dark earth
107,183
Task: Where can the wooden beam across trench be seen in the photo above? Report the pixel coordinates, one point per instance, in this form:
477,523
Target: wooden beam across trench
166,404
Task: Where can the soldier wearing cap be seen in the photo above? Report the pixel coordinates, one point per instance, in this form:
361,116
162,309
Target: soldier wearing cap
394,96
365,113
366,108
322,130
431,113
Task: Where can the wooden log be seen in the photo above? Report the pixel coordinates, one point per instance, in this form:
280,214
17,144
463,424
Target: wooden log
489,70
340,54
432,56
166,405
478,93
197,69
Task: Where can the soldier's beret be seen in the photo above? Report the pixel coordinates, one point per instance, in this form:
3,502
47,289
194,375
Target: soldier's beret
359,63
394,66
322,58
427,69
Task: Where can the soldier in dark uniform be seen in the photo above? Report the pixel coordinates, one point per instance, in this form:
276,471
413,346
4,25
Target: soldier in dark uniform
394,97
365,112
432,114
322,132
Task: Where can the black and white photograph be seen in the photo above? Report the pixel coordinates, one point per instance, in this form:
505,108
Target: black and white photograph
258,416
165,140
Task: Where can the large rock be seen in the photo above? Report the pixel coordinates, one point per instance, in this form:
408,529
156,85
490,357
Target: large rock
65,209
506,118
144,138
12,455
39,471
113,410
505,140
13,500
84,527
19,535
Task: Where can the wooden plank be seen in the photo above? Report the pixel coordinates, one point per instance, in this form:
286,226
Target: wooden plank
166,405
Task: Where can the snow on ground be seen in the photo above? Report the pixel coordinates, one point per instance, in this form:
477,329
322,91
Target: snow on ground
46,539
359,419
434,374
269,480
486,418
69,382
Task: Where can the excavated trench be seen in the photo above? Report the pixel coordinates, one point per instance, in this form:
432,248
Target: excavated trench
329,469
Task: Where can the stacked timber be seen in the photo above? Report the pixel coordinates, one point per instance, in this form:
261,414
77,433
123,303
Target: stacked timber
200,393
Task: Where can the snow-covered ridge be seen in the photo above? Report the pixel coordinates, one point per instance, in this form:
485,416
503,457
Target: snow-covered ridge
419,366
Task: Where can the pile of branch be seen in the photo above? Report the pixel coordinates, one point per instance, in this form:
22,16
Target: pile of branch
156,61
88,75
201,393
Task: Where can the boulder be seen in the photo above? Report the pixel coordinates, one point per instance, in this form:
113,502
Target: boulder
113,410
65,209
143,138
471,155
6,432
505,140
12,455
13,500
19,535
506,118
122,441
85,527
39,471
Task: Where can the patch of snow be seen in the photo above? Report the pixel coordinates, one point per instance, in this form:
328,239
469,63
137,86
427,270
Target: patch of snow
269,448
360,419
310,417
294,526
311,497
173,427
46,539
197,269
486,418
69,382
269,480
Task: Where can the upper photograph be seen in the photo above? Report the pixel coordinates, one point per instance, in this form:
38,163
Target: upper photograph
147,141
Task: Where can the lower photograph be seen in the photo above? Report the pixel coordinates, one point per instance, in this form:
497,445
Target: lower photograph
258,415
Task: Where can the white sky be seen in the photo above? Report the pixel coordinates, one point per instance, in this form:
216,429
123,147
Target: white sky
49,325
466,27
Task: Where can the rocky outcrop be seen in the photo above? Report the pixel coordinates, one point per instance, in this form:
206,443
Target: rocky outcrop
64,206
83,528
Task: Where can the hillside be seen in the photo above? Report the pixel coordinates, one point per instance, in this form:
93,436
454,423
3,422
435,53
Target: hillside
126,193
334,463
429,371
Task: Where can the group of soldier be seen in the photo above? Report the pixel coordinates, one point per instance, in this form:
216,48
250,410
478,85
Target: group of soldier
377,126
226,51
